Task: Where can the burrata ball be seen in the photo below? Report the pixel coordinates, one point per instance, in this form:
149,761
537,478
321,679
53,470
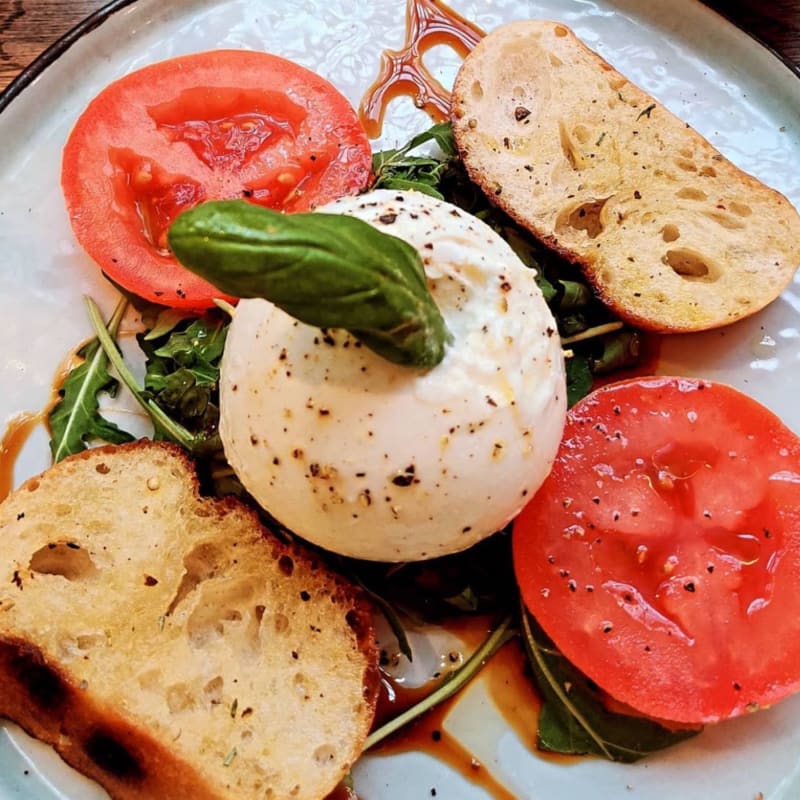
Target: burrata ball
378,461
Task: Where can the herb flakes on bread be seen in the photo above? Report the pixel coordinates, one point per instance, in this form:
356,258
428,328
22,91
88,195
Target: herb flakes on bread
167,645
671,234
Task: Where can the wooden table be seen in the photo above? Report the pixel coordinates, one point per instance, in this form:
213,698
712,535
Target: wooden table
27,27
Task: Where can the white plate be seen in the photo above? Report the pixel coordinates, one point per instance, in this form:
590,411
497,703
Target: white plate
722,82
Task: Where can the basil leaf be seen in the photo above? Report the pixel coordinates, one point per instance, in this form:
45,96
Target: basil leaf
574,720
76,418
327,270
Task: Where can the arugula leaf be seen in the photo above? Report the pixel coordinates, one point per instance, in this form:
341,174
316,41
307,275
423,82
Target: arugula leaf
579,378
574,719
396,169
76,418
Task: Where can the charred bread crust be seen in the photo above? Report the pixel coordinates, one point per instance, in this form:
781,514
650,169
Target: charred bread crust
47,692
45,702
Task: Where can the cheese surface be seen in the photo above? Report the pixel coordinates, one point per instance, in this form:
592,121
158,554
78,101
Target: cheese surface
376,461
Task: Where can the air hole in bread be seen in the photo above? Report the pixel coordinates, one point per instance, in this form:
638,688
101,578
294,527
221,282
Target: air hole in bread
108,753
213,690
200,564
150,680
690,193
219,605
725,220
281,622
103,468
476,90
286,565
617,83
324,754
555,61
356,622
91,641
300,683
670,233
708,172
179,698
581,133
686,164
570,148
585,217
740,209
689,264
65,559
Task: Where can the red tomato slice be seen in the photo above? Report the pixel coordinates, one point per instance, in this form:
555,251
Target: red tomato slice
208,126
662,555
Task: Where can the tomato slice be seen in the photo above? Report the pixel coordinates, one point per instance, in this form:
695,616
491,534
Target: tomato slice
216,125
662,554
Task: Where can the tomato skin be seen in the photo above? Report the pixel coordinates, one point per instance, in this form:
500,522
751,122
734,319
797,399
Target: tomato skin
662,555
207,126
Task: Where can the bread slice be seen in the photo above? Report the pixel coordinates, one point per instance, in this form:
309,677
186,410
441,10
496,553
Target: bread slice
671,234
167,645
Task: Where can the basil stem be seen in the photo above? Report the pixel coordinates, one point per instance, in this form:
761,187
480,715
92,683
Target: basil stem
450,686
327,270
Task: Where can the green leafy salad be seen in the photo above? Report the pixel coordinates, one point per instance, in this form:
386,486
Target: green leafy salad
179,392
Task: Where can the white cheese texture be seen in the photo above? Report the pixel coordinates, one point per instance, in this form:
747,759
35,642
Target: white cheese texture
388,463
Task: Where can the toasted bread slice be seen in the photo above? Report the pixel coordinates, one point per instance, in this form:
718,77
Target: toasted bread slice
670,233
167,645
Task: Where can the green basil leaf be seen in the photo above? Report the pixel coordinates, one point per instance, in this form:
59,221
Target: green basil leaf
574,720
327,270
76,420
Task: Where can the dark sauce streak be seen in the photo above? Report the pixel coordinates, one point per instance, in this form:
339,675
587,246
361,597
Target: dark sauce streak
20,427
506,683
17,432
428,23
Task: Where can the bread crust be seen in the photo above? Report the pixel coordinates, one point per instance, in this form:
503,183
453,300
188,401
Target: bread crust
672,236
106,731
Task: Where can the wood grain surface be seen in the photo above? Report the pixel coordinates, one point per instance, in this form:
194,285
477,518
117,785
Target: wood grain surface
28,27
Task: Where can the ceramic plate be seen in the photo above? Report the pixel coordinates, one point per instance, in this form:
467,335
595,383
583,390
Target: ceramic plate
718,79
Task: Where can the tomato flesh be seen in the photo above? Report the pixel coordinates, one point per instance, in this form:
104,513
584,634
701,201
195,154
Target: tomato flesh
217,125
662,555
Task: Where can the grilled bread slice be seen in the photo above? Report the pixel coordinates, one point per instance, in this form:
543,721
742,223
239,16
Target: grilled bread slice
167,645
670,233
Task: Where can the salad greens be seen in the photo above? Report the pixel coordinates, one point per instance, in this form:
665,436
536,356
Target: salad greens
327,270
180,393
76,419
574,718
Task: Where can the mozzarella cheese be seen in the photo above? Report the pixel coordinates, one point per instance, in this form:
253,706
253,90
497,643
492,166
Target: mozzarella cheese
377,461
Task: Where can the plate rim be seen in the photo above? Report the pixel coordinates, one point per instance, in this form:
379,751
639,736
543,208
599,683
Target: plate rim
49,56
